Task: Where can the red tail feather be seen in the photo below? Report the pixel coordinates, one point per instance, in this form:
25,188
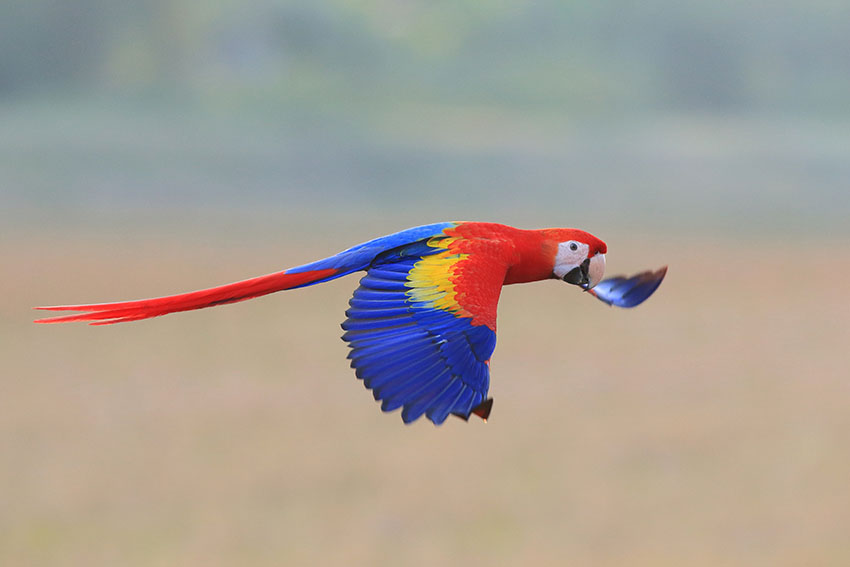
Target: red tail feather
107,313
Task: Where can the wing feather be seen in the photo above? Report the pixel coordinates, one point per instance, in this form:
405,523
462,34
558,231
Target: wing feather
433,399
631,291
443,405
412,343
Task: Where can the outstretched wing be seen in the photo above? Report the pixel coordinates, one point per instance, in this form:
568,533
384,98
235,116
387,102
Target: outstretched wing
421,327
629,292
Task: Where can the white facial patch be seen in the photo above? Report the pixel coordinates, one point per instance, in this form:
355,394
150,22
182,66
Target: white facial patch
570,255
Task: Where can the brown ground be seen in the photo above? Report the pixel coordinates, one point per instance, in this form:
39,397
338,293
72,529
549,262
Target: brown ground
707,427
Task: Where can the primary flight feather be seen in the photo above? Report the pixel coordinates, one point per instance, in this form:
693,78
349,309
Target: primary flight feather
422,324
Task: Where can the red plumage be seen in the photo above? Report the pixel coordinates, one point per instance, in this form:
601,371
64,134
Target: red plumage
421,325
120,312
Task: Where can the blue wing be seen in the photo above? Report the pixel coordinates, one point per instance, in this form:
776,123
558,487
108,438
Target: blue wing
629,292
413,356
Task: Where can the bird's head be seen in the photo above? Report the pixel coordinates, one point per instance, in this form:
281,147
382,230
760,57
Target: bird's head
580,258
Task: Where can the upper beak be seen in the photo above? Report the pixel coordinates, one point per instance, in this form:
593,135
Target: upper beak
588,273
595,271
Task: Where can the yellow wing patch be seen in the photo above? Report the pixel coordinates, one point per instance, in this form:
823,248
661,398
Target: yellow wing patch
431,280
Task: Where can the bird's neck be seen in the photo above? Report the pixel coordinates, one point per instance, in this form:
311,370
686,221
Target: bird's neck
534,257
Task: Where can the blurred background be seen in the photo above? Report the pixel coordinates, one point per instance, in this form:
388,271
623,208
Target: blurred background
152,147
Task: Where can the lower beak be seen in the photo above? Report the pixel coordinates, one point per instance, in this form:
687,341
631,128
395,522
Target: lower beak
579,275
587,274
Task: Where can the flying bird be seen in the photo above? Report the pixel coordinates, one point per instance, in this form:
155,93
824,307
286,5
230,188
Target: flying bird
422,324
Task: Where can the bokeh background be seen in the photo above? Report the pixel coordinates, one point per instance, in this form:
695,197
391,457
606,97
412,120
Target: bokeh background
149,147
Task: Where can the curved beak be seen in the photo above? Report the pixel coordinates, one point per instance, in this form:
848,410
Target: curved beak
595,271
587,274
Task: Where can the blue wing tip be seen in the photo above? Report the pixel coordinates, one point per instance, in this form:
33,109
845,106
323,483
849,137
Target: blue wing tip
631,291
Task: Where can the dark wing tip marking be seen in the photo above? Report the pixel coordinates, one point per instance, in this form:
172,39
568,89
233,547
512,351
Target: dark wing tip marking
482,410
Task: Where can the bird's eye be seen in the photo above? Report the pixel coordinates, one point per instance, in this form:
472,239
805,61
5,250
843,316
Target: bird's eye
573,246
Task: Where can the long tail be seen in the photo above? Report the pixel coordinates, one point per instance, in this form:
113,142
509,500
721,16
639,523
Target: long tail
354,259
120,312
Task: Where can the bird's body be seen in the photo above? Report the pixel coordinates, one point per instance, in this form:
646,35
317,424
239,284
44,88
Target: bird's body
422,324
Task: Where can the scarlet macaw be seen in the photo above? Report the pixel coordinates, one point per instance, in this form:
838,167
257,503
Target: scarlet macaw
422,325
